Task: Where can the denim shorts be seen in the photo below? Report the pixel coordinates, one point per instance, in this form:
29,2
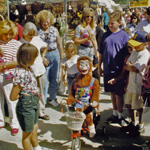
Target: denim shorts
86,51
27,112
117,88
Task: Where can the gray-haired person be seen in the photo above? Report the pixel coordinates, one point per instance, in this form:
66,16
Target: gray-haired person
29,36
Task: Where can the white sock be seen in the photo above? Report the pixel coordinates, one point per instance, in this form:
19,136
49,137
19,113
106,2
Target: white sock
115,112
37,148
120,115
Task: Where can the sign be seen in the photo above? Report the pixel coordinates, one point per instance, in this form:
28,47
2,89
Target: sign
144,3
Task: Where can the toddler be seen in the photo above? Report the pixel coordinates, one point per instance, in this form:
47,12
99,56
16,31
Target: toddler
68,65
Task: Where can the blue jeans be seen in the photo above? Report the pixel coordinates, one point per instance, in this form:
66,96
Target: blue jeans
52,74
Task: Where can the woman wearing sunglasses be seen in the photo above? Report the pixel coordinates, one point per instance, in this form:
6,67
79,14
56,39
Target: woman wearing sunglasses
133,23
85,34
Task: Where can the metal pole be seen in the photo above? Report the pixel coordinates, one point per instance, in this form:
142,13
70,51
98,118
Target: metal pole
8,9
66,26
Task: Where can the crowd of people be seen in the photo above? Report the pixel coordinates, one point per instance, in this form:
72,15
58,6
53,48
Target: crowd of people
120,41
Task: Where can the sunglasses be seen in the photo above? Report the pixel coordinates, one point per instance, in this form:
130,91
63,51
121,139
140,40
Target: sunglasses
89,16
134,18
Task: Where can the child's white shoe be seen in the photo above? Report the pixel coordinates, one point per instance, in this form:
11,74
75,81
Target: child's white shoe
92,131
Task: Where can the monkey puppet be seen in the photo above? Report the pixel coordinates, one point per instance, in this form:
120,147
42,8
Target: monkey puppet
84,92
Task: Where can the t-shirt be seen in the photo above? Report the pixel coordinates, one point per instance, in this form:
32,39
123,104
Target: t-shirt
10,50
20,34
70,64
27,81
82,33
38,66
139,60
106,18
142,24
112,47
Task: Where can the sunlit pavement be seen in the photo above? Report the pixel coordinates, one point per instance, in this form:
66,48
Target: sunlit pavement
54,134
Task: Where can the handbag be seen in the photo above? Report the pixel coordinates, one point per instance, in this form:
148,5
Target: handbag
146,111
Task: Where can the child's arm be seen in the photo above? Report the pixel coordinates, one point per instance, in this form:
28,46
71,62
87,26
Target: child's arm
64,75
14,95
131,67
114,80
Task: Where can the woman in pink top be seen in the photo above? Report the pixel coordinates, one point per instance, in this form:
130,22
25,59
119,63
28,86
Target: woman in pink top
9,48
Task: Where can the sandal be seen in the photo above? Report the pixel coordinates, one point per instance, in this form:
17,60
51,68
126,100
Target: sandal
45,117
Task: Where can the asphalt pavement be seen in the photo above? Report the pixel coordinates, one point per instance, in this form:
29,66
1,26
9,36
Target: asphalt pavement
54,134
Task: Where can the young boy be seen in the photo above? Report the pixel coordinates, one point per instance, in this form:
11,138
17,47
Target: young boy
112,52
136,65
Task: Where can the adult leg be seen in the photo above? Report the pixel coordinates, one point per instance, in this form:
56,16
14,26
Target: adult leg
46,84
7,87
53,74
2,112
41,84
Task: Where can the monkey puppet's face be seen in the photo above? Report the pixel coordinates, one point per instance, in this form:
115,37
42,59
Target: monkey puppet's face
84,66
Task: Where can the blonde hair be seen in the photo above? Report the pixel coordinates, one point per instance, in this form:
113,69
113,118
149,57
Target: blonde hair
147,37
6,26
71,46
26,55
85,13
44,14
116,15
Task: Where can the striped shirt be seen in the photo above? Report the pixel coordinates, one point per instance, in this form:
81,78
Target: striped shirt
10,50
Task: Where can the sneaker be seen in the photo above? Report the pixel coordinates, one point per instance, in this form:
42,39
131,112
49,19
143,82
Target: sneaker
112,119
123,122
140,127
92,131
14,131
54,103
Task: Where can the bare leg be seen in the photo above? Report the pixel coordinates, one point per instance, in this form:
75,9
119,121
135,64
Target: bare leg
113,99
140,111
119,103
130,112
34,138
26,142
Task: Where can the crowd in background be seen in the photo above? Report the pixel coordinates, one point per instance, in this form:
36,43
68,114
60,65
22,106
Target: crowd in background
92,28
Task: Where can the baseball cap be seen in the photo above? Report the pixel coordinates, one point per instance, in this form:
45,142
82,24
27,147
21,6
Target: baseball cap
138,39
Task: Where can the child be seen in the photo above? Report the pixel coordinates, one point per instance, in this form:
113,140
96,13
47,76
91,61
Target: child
124,74
136,65
25,88
147,39
68,65
112,52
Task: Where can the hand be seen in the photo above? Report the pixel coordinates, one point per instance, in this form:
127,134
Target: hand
45,61
94,104
63,102
1,67
64,83
112,81
1,52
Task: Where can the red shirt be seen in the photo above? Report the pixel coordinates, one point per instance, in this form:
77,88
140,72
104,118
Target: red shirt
20,34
